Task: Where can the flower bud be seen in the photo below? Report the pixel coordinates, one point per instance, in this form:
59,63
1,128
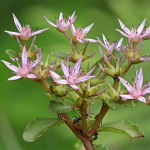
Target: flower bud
148,100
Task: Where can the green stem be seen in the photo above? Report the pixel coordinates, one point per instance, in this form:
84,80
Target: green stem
115,85
83,118
101,115
79,93
46,86
25,44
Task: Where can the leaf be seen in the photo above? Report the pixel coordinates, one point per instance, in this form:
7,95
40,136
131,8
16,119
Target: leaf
126,128
35,48
97,68
12,53
38,126
100,147
56,108
56,98
111,103
134,102
60,55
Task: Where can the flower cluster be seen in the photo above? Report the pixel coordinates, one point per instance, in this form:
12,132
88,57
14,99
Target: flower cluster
74,89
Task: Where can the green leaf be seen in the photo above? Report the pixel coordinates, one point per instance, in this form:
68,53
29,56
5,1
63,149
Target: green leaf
35,48
60,55
56,98
117,55
100,147
56,108
111,103
38,126
134,102
12,53
97,68
126,128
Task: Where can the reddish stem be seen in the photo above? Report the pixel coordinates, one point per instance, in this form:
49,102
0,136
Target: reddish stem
101,115
86,142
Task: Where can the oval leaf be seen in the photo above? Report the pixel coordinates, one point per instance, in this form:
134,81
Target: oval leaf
12,53
56,108
100,147
38,126
60,55
126,128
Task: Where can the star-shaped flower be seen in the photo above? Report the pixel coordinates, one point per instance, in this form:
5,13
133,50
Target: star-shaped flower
109,47
61,25
26,69
73,75
25,31
136,92
135,34
80,34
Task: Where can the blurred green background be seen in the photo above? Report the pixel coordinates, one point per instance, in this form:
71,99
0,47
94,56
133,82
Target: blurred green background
22,101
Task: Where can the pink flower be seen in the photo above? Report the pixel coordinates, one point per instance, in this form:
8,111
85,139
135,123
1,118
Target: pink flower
79,34
54,75
25,31
137,91
135,34
109,47
146,33
24,71
61,25
73,75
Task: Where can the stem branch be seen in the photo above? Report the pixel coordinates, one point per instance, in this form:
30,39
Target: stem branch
101,115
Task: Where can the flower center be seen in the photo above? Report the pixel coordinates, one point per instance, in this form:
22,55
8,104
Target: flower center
136,92
71,79
24,71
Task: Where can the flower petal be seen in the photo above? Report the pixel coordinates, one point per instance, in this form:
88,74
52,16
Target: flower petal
87,29
36,61
31,76
12,33
10,66
50,22
17,23
74,87
14,78
72,29
89,40
87,74
76,68
119,43
60,16
54,75
126,84
66,73
140,28
142,99
63,81
124,28
84,78
24,56
105,40
127,96
122,33
39,31
140,76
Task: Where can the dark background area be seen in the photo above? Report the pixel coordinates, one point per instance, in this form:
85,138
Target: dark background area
22,101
